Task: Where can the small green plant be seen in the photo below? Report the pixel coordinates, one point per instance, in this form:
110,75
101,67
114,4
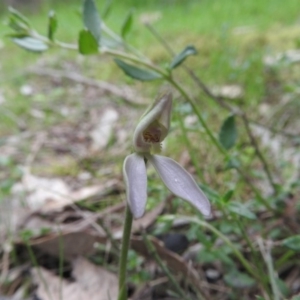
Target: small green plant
232,142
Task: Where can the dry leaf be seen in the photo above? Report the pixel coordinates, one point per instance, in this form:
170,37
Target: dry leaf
91,282
143,223
43,191
174,262
229,91
102,132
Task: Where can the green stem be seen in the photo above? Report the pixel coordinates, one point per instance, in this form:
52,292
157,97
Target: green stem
253,272
198,114
189,146
124,253
256,257
36,265
153,252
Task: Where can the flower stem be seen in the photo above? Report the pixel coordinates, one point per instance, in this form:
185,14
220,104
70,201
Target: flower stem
124,252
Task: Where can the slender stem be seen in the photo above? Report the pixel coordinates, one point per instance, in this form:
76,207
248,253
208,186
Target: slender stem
36,265
256,192
124,253
258,152
198,114
189,146
159,261
61,263
253,272
265,250
256,257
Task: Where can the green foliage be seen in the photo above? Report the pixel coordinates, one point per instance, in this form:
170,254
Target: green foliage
18,22
52,25
292,242
239,280
127,24
241,209
228,133
180,58
31,44
87,43
228,196
137,73
91,19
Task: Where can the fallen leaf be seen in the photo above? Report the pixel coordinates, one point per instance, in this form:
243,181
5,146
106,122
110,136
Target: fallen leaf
42,191
291,56
102,132
229,91
91,282
143,223
173,261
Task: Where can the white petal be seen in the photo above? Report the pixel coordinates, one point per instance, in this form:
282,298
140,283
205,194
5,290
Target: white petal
180,182
135,176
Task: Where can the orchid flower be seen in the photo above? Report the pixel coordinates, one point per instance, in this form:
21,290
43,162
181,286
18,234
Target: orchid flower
151,130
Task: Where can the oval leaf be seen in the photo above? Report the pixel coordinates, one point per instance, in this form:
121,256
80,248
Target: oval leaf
31,44
18,16
137,73
17,25
292,242
228,196
52,25
179,59
241,210
105,11
87,44
239,280
127,24
91,19
228,133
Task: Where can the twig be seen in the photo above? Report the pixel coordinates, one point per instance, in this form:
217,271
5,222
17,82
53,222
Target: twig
159,261
5,263
125,92
265,251
258,152
248,267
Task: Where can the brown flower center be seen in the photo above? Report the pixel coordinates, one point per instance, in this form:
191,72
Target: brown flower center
152,135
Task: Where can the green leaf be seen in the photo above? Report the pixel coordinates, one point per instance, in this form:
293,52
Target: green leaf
18,16
228,196
17,25
52,25
241,210
91,19
292,242
179,59
87,43
127,24
106,9
239,280
228,133
282,287
31,44
232,163
137,73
